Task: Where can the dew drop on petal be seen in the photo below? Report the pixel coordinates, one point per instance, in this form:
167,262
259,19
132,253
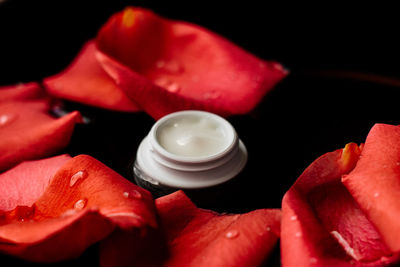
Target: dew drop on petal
298,234
6,119
173,67
125,194
82,174
23,213
268,228
162,81
232,234
80,204
293,218
68,213
376,194
212,95
173,87
136,194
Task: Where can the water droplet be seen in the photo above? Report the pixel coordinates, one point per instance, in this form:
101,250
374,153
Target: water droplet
212,95
293,218
68,212
136,194
80,204
173,67
268,228
232,234
6,119
313,260
298,234
82,174
133,194
162,81
173,87
23,213
376,194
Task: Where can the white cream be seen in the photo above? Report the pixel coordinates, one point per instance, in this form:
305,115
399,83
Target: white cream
192,136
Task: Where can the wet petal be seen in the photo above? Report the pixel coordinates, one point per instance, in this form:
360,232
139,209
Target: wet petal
25,183
375,183
181,66
27,131
86,82
196,237
323,225
75,216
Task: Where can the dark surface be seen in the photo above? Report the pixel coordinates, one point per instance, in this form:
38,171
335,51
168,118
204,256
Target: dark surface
328,100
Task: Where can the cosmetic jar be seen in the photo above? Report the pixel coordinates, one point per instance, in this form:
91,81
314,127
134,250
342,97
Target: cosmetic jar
188,150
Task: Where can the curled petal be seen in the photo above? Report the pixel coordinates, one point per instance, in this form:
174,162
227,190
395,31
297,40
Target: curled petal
196,237
86,82
83,202
321,222
28,131
375,182
181,66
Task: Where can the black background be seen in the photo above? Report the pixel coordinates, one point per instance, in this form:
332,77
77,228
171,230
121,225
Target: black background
344,77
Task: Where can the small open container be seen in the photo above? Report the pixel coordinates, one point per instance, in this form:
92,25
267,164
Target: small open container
162,170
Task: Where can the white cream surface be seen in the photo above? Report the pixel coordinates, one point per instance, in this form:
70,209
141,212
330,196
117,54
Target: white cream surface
192,136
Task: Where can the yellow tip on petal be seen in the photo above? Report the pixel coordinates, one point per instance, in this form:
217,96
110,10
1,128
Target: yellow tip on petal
128,17
350,154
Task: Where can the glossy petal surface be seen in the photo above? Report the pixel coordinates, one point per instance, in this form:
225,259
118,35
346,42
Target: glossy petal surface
83,202
27,130
181,66
86,82
196,237
322,225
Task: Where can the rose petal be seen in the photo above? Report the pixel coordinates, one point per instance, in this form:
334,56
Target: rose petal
321,223
86,82
197,237
20,91
83,203
165,66
375,183
24,184
27,131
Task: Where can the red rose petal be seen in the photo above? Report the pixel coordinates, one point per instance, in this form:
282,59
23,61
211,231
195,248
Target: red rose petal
86,82
27,131
322,224
20,91
197,237
24,184
375,182
83,203
181,66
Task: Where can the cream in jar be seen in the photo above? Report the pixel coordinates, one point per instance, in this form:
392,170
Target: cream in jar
189,150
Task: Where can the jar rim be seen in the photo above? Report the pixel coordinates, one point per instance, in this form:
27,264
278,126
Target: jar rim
231,143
